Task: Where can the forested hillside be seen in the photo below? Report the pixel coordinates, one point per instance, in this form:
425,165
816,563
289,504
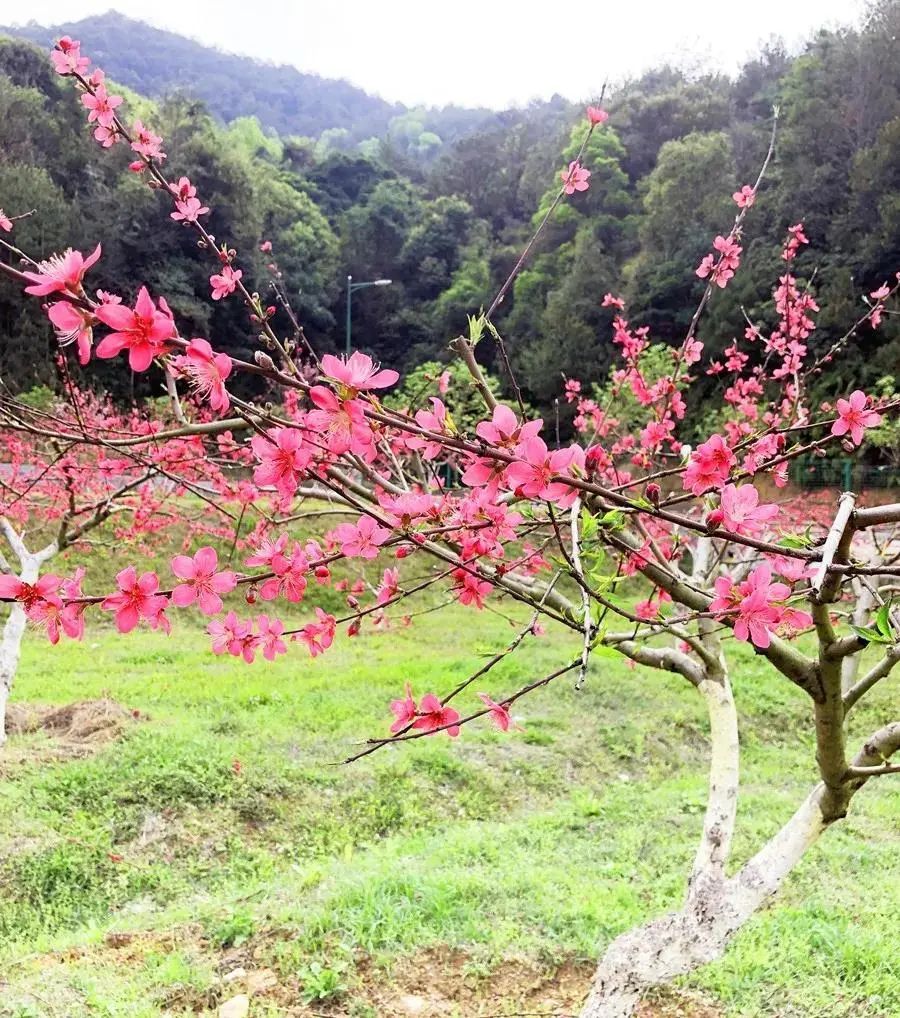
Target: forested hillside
447,229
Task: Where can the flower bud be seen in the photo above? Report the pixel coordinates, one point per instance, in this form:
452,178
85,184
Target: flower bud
652,492
715,519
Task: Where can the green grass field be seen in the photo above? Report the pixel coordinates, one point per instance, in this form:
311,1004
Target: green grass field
134,877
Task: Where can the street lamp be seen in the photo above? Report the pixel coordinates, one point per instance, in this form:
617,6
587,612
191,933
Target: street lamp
351,286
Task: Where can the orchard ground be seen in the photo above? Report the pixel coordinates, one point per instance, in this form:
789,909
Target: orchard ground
218,831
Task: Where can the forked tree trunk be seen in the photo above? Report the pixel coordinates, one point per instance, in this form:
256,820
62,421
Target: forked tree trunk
716,906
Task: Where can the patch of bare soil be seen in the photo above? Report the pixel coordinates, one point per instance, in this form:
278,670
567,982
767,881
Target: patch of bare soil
71,730
434,983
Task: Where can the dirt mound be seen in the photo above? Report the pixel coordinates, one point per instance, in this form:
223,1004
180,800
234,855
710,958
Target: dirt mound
85,721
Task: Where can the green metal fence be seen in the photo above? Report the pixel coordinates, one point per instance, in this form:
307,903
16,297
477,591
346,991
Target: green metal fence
847,474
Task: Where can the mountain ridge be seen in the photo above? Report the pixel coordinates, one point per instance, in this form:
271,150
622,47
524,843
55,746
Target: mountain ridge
289,101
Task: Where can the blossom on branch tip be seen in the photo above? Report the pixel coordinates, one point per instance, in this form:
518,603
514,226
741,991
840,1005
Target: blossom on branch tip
596,115
5,222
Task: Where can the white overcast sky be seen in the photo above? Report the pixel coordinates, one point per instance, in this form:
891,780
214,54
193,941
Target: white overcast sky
473,52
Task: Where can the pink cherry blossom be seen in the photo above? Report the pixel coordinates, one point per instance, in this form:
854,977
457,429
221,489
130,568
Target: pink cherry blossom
73,325
27,594
358,372
146,143
319,636
202,582
233,636
533,472
283,459
709,466
434,420
142,331
270,632
289,580
208,371
504,429
498,713
47,612
5,222
136,599
67,58
756,605
575,178
432,715
225,282
596,116
742,512
744,198
102,106
72,615
107,136
267,550
470,588
341,424
362,539
854,417
189,210
389,586
61,273
723,269
404,711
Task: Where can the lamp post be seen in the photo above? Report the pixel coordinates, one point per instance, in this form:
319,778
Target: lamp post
351,286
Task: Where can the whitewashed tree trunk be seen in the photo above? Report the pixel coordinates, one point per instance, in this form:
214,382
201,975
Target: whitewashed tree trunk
716,906
11,645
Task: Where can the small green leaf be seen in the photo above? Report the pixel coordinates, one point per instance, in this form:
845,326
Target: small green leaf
870,635
614,519
795,541
883,620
